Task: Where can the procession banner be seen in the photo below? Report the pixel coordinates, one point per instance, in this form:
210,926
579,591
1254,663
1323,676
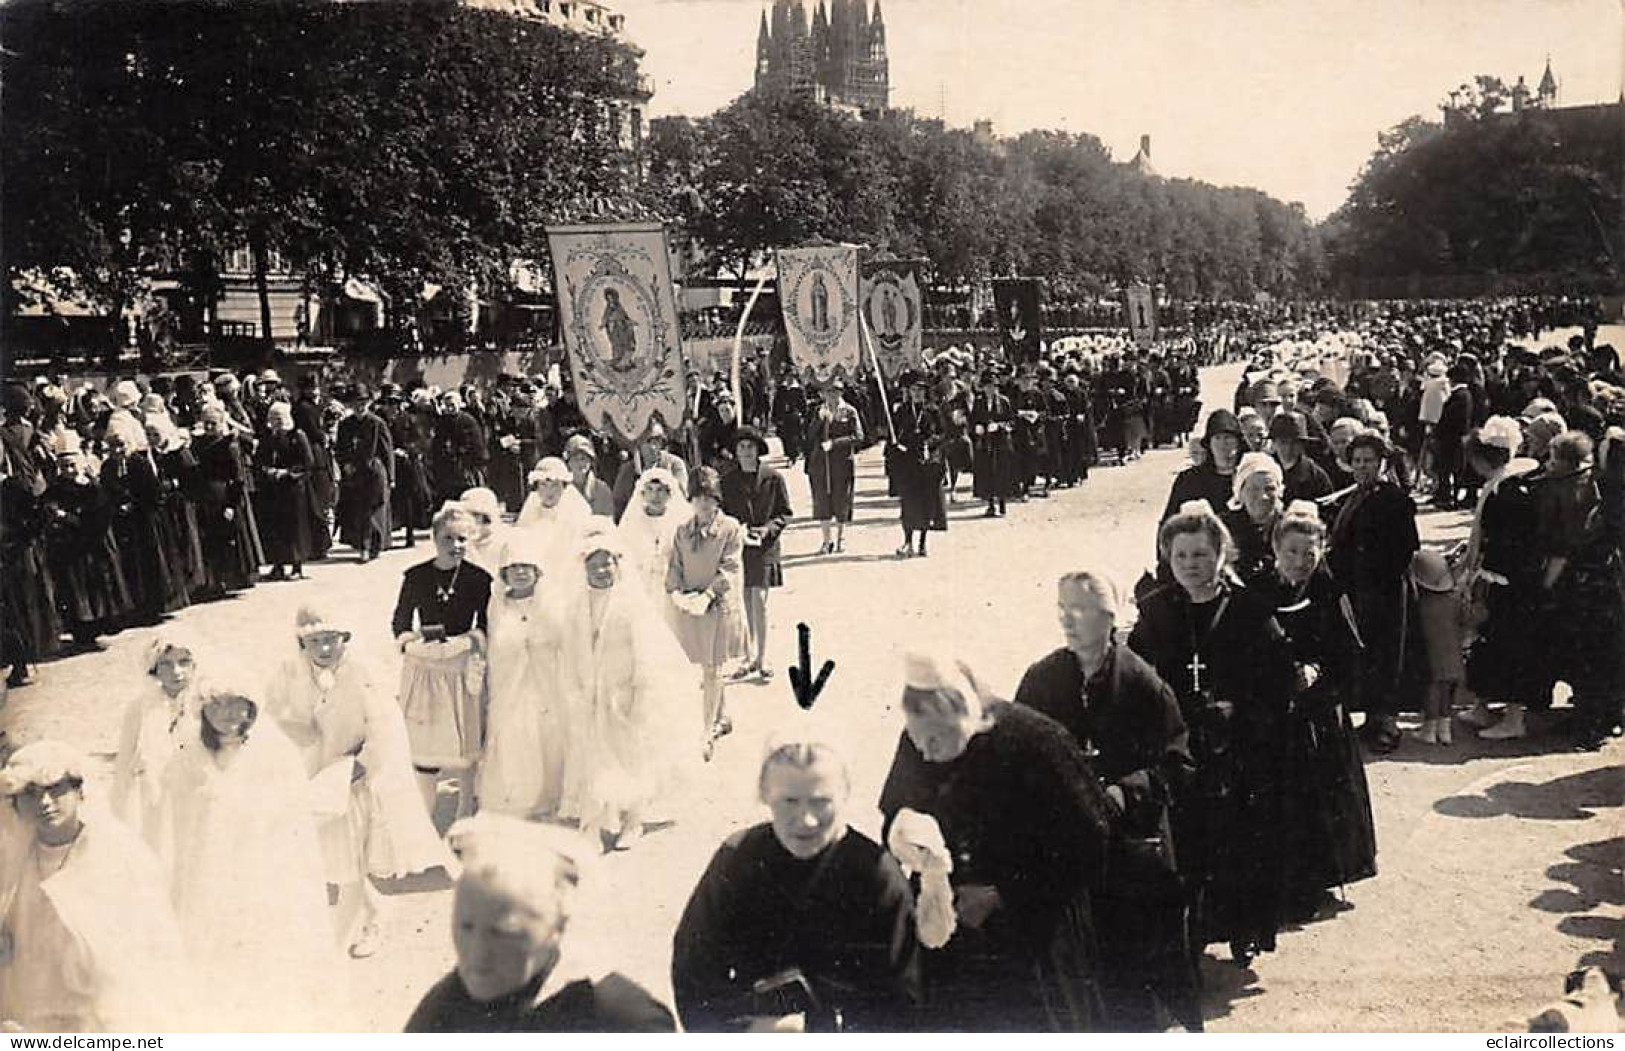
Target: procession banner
1141,307
892,299
619,322
818,292
1020,324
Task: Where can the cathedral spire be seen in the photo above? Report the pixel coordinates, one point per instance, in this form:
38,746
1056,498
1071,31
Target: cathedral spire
1547,90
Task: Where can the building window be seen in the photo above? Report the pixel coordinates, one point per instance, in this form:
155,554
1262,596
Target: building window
592,14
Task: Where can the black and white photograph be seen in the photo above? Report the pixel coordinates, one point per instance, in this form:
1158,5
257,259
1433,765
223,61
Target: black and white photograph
812,516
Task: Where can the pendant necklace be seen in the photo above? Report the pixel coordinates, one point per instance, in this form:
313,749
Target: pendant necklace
443,592
62,863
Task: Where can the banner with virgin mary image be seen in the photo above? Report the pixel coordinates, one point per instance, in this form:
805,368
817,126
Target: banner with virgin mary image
1020,320
892,312
618,320
818,292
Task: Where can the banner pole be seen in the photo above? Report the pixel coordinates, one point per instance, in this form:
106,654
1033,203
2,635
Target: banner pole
880,377
739,341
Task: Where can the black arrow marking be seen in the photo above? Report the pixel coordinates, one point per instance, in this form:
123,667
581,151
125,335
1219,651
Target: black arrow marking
801,677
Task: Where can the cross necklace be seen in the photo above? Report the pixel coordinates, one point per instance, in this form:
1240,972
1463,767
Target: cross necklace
1197,666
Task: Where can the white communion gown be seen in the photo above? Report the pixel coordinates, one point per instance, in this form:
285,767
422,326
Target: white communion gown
647,540
527,733
156,731
559,528
343,716
632,696
249,890
91,940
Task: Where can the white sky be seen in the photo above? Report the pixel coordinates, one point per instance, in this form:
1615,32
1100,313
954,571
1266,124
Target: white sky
1285,95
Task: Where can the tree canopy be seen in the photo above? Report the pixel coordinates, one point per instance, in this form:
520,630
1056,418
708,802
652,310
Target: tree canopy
770,170
409,142
1488,192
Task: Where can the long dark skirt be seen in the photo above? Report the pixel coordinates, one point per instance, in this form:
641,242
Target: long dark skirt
1503,663
1000,980
363,508
1227,835
284,510
188,567
230,546
833,486
1590,641
145,558
32,627
91,591
924,506
411,498
1329,835
995,469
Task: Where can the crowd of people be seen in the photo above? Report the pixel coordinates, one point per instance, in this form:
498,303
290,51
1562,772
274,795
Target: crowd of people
1058,860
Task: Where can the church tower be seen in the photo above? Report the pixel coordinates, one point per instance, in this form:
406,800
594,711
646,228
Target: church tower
764,54
837,57
1547,89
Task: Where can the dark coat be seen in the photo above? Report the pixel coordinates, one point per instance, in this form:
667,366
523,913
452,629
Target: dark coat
1330,836
366,460
1023,811
761,503
1228,661
1127,720
843,919
616,1004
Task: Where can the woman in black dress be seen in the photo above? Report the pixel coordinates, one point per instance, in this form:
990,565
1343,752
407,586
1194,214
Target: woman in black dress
225,516
30,627
1330,837
130,481
1372,540
439,625
1220,648
915,465
1022,821
755,494
992,428
177,498
1252,514
284,501
804,904
834,434
88,576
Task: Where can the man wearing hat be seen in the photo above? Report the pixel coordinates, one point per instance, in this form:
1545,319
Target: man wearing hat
790,415
649,453
366,459
915,463
460,455
1301,477
1455,421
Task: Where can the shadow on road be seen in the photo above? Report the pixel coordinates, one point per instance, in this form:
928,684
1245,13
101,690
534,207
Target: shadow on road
1595,879
1574,797
1223,983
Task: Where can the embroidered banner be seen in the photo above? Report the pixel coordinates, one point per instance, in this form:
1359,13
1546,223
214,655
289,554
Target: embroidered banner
1141,307
619,323
1020,323
892,311
818,292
